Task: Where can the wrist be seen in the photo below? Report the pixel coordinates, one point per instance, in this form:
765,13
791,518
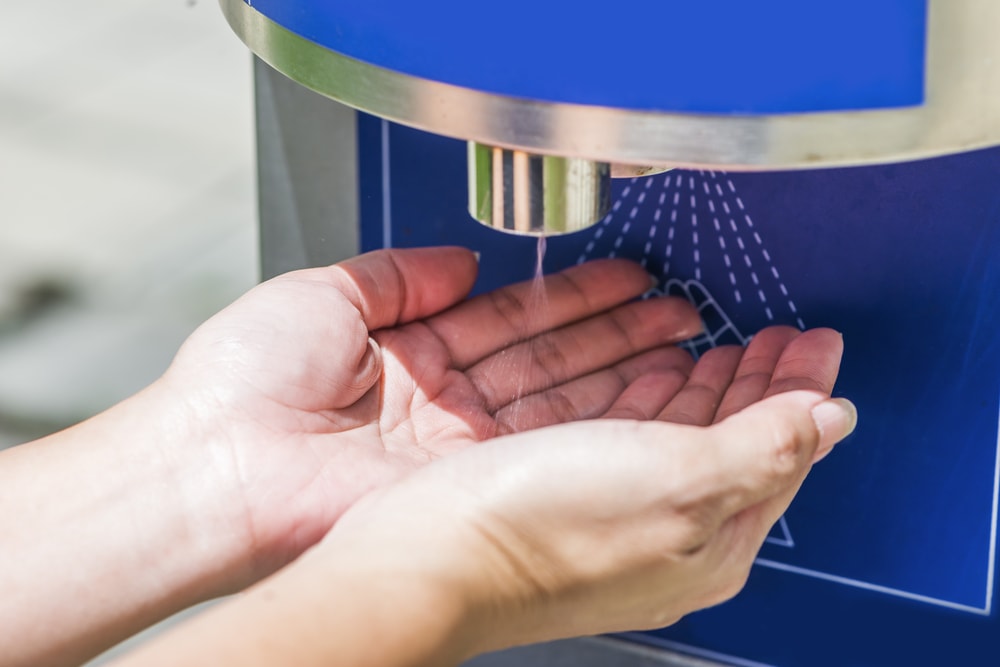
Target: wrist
337,604
191,487
408,609
125,502
436,547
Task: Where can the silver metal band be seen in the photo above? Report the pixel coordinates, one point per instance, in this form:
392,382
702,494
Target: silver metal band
962,111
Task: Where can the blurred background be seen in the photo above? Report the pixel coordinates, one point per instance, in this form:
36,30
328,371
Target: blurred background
127,211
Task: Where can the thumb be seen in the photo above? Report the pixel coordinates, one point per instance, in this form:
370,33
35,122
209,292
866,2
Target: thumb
768,448
391,287
363,377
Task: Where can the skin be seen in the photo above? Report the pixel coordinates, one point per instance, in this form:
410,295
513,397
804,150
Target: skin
571,530
330,386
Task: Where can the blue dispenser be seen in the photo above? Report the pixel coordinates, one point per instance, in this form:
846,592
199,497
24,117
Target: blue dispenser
823,163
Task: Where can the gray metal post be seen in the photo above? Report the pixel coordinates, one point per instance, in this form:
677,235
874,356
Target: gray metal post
307,175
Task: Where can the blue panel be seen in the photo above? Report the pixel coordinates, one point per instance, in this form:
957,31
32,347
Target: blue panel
886,556
702,56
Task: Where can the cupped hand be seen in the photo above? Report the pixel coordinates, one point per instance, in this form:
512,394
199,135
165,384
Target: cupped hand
615,524
323,384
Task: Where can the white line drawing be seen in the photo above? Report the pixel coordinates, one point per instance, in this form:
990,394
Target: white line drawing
386,189
719,330
688,202
677,217
723,207
991,570
681,186
866,585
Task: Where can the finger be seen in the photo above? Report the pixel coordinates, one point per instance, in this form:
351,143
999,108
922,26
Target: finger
748,529
593,395
354,383
515,313
390,287
644,398
811,361
753,375
697,402
598,342
762,451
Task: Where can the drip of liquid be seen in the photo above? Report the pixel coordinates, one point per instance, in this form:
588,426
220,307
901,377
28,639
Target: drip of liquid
520,414
539,258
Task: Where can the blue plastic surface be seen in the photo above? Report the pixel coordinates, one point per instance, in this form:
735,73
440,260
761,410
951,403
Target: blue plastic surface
887,555
701,56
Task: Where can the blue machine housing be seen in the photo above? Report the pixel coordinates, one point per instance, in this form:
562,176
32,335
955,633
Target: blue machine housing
887,556
691,56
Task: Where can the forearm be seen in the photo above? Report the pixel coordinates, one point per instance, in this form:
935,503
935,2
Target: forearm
339,608
102,535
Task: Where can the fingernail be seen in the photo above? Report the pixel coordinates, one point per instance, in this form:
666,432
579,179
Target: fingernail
835,419
478,255
687,334
370,365
654,281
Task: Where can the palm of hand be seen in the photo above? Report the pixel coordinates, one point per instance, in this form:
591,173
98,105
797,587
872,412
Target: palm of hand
698,506
424,405
312,415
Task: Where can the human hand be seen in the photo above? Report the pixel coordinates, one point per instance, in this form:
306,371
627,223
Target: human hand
323,384
579,528
611,525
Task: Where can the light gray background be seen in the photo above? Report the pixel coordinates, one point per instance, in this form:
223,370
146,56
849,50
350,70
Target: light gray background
126,197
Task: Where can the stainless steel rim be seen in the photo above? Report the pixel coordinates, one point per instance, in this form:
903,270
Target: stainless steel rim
962,110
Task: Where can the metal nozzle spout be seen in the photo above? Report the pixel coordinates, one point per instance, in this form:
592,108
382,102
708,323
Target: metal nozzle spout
524,193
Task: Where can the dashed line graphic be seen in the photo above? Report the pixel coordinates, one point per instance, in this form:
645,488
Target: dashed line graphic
712,206
691,227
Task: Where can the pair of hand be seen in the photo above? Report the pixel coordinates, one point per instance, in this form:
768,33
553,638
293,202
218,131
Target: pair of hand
323,385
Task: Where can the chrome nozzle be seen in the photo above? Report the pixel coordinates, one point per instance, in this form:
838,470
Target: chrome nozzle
523,193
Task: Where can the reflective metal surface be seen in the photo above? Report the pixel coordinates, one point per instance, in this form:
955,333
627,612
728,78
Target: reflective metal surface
307,176
962,111
590,652
519,192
